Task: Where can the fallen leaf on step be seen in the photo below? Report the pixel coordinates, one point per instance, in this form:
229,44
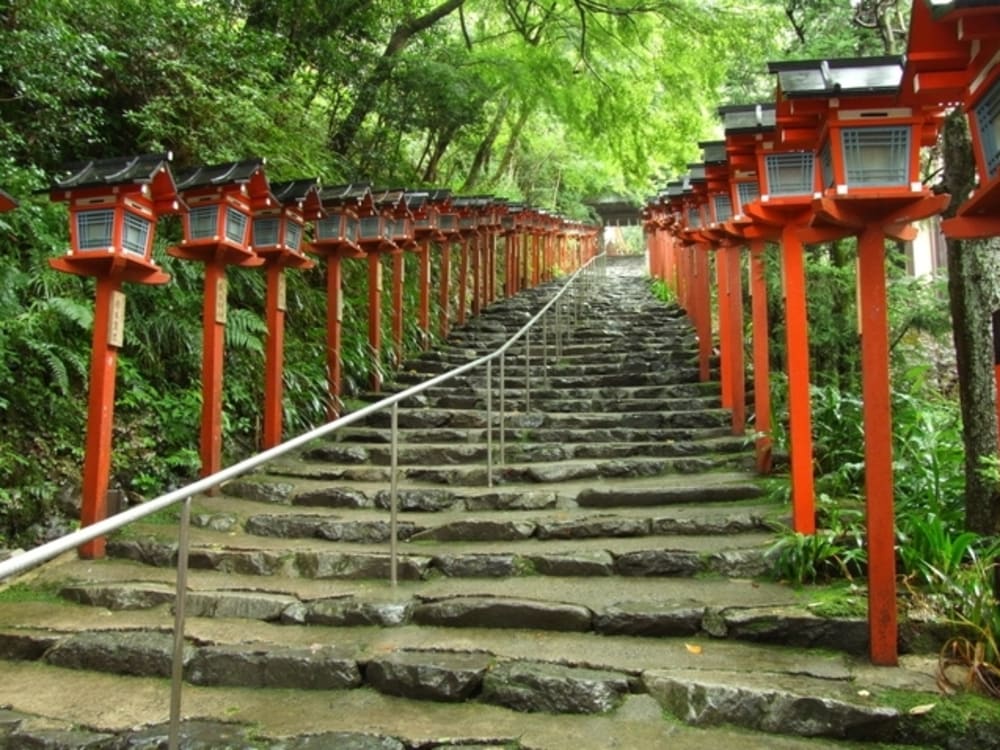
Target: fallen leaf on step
864,693
924,708
693,648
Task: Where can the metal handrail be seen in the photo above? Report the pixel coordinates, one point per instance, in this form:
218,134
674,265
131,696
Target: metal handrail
25,561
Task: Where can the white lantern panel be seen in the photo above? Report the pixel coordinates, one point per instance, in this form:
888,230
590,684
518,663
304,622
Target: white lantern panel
93,229
790,173
877,156
136,234
988,124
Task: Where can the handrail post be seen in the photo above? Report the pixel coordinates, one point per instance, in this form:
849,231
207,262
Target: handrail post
545,348
489,423
527,371
394,497
503,408
559,305
180,600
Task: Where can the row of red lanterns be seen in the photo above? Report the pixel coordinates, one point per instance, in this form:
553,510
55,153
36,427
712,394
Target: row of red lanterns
232,215
837,153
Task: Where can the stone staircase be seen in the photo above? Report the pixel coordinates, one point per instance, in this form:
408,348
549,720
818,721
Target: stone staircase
603,588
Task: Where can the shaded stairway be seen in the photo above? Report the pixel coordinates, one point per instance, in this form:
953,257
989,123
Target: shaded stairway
608,573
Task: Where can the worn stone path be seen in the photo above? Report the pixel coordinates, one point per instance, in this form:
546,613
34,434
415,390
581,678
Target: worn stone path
605,590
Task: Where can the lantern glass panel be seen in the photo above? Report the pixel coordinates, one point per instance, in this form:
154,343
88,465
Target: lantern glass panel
723,207
468,222
988,124
135,234
370,226
790,173
877,156
693,217
93,229
508,223
293,235
265,232
423,223
747,192
203,222
329,228
236,226
351,229
826,164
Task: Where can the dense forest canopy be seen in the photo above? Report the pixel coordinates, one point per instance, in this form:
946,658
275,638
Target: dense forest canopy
550,101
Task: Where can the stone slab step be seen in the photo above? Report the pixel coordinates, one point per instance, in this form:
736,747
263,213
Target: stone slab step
430,418
741,555
368,435
281,488
517,452
778,690
68,710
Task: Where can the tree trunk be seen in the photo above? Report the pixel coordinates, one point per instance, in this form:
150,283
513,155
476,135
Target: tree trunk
973,293
486,147
343,137
515,135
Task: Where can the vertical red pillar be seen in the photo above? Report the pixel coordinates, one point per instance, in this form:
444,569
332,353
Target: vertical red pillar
375,318
444,299
463,279
424,312
761,358
274,348
725,330
478,277
878,448
334,320
100,411
737,370
799,408
701,304
213,340
398,274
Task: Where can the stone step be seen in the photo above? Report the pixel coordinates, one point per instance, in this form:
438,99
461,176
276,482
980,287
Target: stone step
572,470
432,418
703,491
410,436
519,452
419,559
512,675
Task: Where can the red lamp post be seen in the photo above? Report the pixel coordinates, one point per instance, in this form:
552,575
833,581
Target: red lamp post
690,204
336,237
427,210
278,239
449,223
744,126
788,182
952,57
392,233
511,227
113,208
730,278
221,200
868,150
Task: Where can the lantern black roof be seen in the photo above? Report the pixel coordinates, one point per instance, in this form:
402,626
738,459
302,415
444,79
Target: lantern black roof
294,191
748,118
341,194
117,170
713,152
218,174
697,173
849,75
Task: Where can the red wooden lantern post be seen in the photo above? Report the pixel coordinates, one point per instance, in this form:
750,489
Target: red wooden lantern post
403,237
113,207
787,185
386,231
953,51
277,238
448,223
870,186
744,126
510,228
336,238
720,210
700,289
427,209
221,200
